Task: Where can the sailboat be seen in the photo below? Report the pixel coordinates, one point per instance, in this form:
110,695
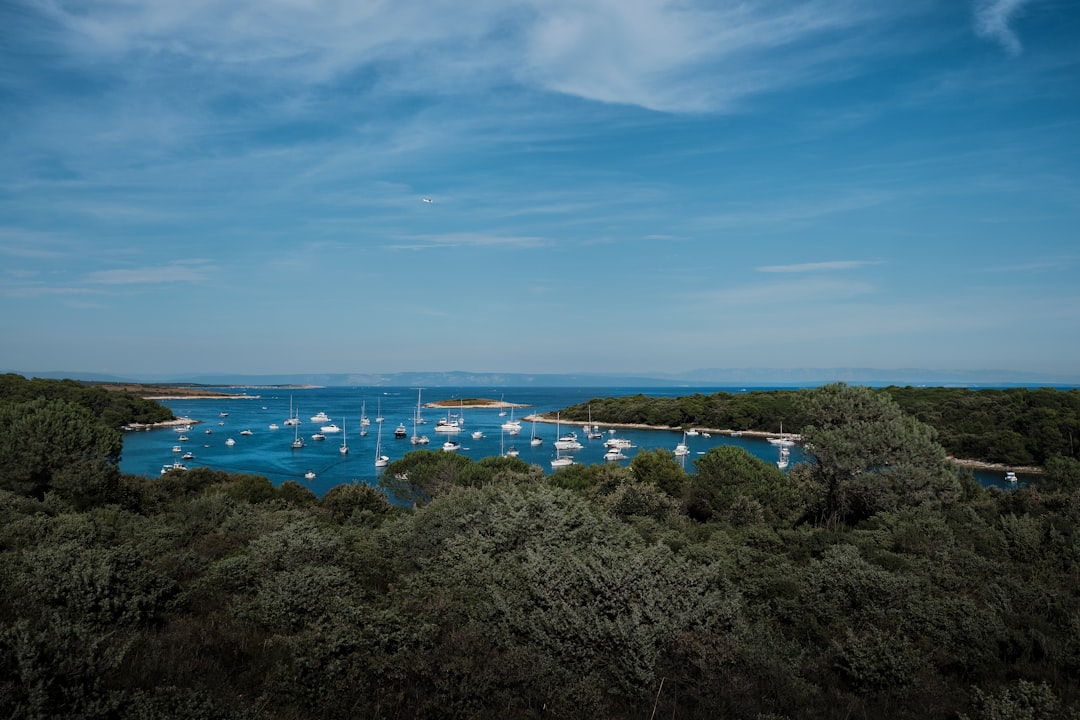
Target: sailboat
344,449
417,439
592,432
298,442
782,441
381,461
294,419
419,420
782,461
682,449
535,441
502,411
560,461
378,413
364,422
511,425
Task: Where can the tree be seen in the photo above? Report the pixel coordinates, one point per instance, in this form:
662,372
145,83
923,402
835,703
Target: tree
729,476
59,446
659,468
868,456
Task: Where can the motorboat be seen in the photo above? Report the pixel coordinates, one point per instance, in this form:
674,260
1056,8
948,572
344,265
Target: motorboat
451,446
320,417
318,436
246,432
273,426
230,442
177,448
614,453
477,435
188,456
618,443
400,431
309,475
174,466
331,428
1010,476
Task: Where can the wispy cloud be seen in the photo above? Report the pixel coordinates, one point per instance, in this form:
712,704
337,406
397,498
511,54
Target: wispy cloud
180,271
451,240
657,54
817,266
992,21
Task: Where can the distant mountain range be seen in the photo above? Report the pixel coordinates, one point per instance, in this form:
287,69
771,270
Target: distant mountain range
714,377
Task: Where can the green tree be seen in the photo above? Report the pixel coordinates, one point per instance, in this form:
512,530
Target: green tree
59,446
659,467
728,477
868,456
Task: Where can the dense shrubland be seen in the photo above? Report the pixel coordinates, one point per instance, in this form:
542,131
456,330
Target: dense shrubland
113,409
876,582
1018,426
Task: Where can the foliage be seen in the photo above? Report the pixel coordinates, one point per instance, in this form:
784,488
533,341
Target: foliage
868,456
113,409
1017,426
597,592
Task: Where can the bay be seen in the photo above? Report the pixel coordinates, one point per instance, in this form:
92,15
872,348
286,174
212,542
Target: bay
268,452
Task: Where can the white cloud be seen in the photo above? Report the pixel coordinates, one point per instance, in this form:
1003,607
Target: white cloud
992,21
658,54
818,266
189,271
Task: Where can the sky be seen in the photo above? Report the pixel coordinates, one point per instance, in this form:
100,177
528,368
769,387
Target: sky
617,186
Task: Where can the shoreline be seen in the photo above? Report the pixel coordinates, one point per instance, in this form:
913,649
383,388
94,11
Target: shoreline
961,462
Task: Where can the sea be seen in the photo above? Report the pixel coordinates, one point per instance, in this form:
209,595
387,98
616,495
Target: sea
257,448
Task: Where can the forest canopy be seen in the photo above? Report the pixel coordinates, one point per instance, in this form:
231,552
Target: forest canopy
878,581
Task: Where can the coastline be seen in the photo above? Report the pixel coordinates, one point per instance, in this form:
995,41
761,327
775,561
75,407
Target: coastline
961,462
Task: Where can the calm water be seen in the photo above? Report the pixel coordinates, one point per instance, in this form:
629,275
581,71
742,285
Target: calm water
269,453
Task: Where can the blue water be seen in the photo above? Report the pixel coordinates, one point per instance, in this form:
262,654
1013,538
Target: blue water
269,453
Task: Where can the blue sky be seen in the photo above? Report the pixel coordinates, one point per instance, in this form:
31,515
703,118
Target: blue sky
615,185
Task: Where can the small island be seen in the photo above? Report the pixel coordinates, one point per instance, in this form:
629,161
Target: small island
473,403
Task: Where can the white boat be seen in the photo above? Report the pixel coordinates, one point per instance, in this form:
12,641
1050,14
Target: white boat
309,475
174,466
592,432
318,436
208,431
331,428
381,461
502,399
293,419
1010,476
274,426
183,438
682,450
246,432
177,448
784,458
448,425
535,441
417,439
477,435
615,442
512,452
511,424
614,453
782,441
188,456
364,422
560,461
320,417
298,442
568,441
692,432
230,442
344,449
451,446
400,431
418,418
378,413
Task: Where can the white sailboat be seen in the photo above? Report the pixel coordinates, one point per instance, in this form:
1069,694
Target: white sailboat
344,449
782,441
378,413
559,460
294,418
419,419
682,449
381,461
535,441
364,422
298,442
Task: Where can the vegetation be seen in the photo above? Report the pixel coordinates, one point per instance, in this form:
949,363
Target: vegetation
113,409
1018,426
875,583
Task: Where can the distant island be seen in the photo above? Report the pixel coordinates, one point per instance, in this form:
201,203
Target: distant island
473,403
